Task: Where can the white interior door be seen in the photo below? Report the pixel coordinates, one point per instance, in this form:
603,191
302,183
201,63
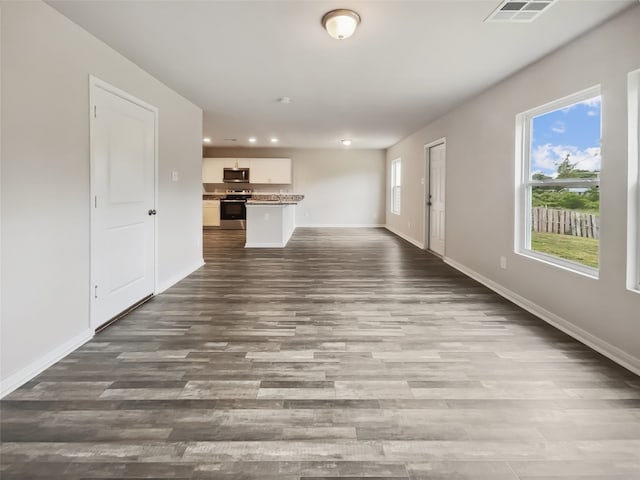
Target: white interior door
436,198
123,202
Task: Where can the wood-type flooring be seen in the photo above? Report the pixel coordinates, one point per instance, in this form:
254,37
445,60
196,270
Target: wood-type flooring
348,354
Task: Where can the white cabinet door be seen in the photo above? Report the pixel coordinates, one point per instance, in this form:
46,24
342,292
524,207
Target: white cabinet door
211,213
281,171
270,170
212,168
259,171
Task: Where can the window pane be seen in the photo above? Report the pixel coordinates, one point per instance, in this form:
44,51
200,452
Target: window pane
565,216
395,186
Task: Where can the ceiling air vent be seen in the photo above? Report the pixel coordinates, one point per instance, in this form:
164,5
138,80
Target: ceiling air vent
522,11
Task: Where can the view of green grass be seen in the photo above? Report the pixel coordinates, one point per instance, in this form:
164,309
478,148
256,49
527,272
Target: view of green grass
576,249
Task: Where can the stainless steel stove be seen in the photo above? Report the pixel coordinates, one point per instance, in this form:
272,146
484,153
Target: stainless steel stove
233,210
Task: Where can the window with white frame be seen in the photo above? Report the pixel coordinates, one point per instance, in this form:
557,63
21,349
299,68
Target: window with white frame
633,204
558,169
396,179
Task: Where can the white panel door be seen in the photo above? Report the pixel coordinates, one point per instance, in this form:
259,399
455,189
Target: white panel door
436,198
123,204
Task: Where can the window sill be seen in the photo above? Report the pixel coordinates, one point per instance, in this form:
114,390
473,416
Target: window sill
572,267
635,289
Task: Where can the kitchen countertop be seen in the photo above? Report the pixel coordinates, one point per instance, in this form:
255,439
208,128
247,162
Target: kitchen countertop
275,199
261,198
271,202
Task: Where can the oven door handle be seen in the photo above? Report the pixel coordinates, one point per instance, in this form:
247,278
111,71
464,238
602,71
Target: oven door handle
233,201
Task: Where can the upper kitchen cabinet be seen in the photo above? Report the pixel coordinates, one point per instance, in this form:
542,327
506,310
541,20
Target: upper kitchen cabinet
261,170
270,170
212,168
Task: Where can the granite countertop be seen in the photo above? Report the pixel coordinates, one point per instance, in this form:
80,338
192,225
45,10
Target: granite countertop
213,196
275,198
261,198
271,202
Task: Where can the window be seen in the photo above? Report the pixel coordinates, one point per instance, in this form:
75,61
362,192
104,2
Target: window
633,204
395,185
559,182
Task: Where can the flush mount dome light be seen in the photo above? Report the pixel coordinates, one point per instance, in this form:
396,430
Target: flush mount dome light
341,23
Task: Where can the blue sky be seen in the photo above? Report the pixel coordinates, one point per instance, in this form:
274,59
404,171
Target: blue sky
574,130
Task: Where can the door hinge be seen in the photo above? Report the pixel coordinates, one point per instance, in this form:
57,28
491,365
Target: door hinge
95,291
95,111
95,201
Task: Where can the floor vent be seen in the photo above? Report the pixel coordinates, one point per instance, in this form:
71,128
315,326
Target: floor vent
522,11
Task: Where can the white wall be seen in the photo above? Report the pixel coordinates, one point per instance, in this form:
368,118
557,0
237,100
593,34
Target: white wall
46,62
480,188
341,187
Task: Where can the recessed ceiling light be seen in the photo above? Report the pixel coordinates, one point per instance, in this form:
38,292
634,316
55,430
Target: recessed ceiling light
274,140
252,139
346,142
284,100
206,139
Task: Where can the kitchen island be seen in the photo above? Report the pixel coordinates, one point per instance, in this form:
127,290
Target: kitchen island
271,219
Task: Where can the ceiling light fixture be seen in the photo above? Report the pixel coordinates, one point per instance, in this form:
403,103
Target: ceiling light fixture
252,139
346,142
206,139
341,23
274,140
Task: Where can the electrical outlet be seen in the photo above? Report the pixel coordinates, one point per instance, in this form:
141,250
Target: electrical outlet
174,176
503,262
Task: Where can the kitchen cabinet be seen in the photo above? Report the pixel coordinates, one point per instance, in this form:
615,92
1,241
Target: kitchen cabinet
270,170
261,170
212,168
211,213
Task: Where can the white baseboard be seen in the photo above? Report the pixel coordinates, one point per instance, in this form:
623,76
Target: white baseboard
610,351
25,374
176,278
341,225
264,245
405,237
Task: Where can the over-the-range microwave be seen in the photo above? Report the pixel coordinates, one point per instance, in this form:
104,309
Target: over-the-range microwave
235,175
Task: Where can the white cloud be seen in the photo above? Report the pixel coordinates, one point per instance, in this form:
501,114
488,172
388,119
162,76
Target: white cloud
592,102
559,127
546,158
592,113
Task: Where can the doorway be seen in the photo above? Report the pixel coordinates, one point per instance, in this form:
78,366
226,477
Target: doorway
435,167
123,151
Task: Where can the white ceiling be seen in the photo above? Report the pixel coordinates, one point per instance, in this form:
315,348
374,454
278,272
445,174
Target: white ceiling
408,63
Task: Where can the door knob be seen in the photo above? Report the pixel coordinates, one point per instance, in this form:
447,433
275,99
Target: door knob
152,212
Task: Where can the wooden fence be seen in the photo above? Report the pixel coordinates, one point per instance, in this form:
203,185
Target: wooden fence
567,222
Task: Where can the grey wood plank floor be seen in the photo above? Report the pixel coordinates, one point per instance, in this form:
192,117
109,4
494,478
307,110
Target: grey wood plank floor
348,354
